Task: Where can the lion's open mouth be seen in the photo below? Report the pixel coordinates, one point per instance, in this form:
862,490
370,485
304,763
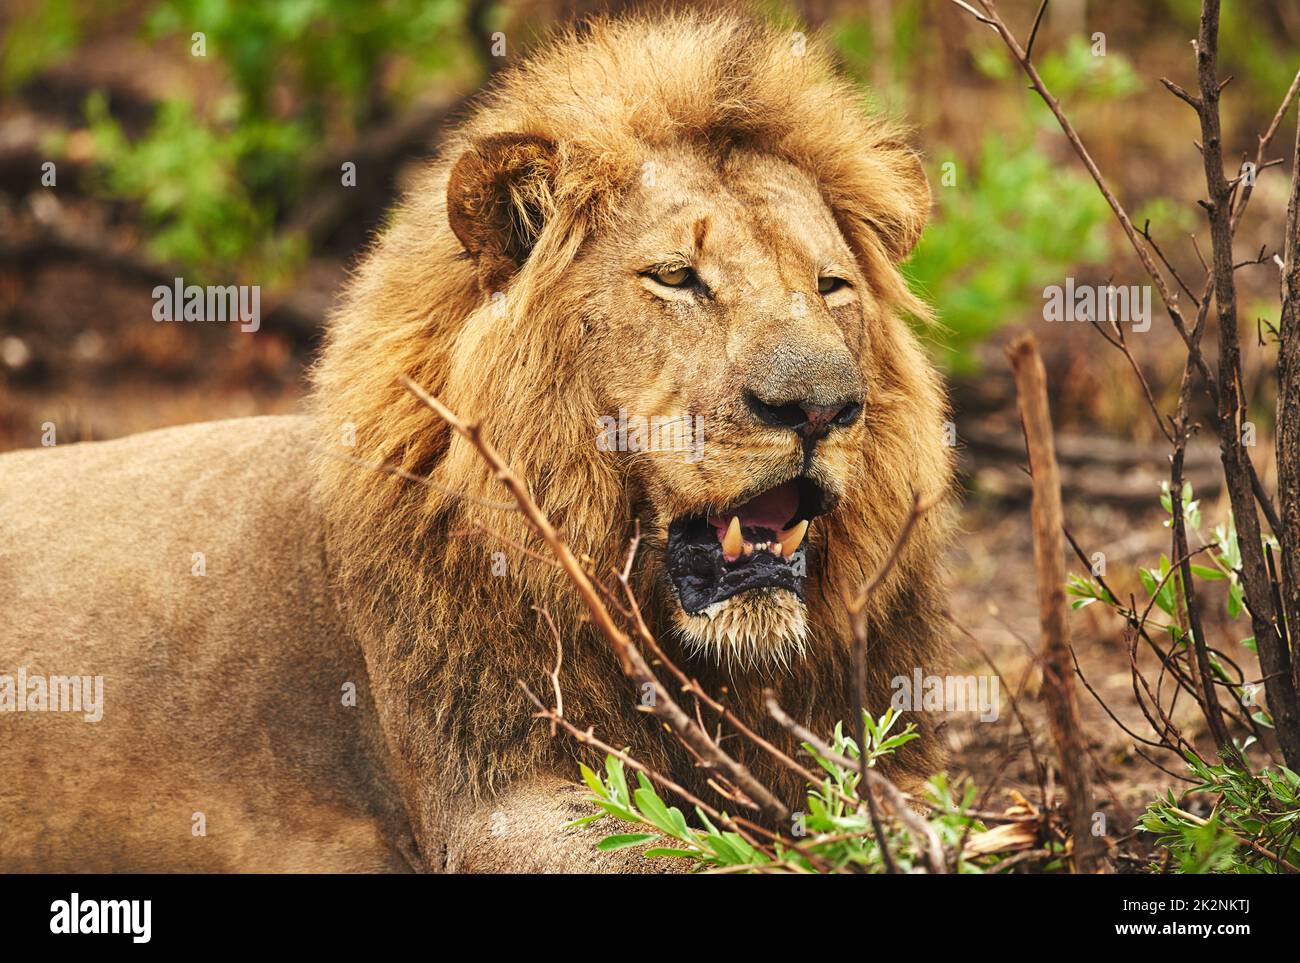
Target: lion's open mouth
759,543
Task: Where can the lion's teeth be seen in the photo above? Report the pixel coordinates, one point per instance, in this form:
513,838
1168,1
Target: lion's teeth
792,538
749,548
733,542
775,549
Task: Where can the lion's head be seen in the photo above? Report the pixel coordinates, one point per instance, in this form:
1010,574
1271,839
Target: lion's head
659,264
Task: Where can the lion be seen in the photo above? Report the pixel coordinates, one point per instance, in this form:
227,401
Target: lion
687,221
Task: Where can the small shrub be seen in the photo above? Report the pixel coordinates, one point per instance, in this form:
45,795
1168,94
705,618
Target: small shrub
833,832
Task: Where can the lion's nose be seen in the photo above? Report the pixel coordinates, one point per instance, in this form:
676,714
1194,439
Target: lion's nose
805,417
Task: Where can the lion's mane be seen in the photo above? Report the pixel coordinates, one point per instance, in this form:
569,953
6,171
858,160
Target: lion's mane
446,640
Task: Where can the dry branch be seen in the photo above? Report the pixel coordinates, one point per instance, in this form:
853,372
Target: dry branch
691,732
1049,564
630,659
1288,414
872,781
1273,656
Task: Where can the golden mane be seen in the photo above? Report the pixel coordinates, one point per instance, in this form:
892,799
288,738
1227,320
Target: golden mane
446,640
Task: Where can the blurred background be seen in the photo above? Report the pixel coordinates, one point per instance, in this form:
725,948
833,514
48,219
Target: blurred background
218,158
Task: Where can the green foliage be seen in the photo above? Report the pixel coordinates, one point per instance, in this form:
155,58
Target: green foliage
328,52
1011,225
861,39
667,825
1068,72
1263,807
1075,71
33,42
1016,220
213,184
1163,584
834,829
186,177
1011,219
1167,217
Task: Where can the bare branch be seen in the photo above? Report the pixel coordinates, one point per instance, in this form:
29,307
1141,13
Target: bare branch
1033,31
1049,564
1237,469
873,781
1181,94
630,659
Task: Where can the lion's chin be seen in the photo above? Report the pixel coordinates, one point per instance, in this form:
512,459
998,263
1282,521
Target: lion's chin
761,628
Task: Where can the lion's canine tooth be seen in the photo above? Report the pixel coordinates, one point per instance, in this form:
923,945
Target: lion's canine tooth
791,538
733,542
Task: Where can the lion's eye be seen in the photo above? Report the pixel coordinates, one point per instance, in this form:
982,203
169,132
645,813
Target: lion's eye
827,283
675,278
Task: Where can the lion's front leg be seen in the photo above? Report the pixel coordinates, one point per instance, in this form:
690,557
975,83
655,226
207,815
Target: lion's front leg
522,830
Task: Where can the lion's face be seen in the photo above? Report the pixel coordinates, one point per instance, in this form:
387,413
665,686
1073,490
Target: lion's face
747,380
729,351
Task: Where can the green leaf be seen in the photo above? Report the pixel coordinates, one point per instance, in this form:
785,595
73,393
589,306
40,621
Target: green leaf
1207,573
618,811
1148,581
1219,670
703,817
679,822
723,848
893,742
617,778
623,841
1075,585
593,781
675,853
747,853
1235,595
653,809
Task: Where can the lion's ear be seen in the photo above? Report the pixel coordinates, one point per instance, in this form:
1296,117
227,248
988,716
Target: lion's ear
903,228
500,194
884,191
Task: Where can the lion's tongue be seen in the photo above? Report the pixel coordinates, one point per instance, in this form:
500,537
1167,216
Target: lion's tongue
771,510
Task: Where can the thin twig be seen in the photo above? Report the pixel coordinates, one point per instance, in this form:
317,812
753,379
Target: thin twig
630,659
933,852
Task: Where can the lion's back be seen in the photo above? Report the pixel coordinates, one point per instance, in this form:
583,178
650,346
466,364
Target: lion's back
184,568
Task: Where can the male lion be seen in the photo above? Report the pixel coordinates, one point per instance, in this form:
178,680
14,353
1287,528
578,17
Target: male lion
687,218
